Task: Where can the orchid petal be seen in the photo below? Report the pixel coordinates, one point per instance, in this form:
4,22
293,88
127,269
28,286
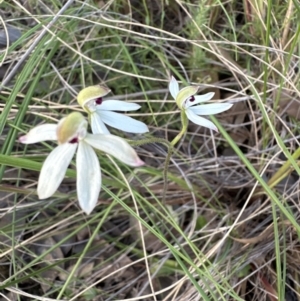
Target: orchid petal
88,177
123,122
54,169
173,87
117,105
200,120
210,109
97,125
116,147
199,99
40,133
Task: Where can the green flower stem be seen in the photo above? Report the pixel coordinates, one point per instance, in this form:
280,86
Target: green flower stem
169,154
284,170
184,122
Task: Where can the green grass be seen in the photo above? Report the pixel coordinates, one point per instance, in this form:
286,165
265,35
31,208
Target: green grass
228,228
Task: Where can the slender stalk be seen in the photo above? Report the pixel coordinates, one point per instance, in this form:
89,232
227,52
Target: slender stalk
184,122
284,170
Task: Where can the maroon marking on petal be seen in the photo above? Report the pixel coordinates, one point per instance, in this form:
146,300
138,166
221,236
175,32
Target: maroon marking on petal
98,101
74,140
192,98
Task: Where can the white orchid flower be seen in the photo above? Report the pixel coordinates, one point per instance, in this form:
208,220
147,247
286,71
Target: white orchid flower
187,101
101,111
71,134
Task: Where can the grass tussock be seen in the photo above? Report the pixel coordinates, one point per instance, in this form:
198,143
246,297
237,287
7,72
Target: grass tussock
228,226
